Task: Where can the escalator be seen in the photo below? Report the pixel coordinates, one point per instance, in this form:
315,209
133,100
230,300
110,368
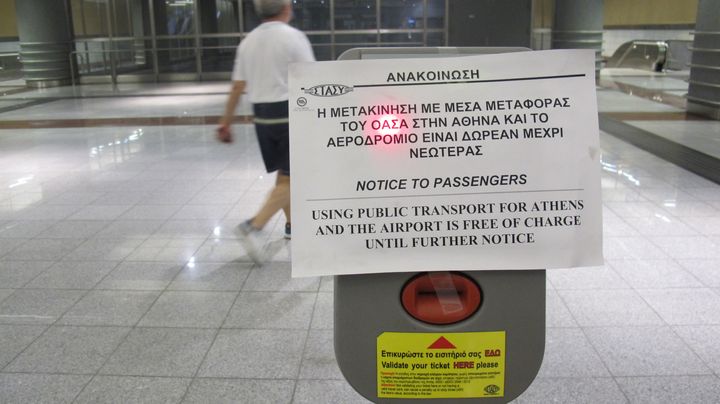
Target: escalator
651,55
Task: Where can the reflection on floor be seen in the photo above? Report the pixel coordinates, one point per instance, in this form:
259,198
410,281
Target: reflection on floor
121,279
637,106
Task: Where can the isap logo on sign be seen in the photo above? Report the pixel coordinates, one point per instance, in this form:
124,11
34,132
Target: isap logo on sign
327,90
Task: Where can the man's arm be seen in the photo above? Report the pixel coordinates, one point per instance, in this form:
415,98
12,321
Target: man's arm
236,92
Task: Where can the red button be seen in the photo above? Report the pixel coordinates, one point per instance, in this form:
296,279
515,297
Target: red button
441,297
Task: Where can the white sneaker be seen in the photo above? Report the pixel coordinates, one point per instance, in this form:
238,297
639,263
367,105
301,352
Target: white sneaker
245,233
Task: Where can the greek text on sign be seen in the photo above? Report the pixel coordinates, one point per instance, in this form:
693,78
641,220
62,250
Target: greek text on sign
468,163
433,365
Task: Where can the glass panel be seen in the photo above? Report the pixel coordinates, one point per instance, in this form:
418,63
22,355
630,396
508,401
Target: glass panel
401,14
225,43
135,55
323,52
132,56
93,57
219,16
176,55
321,46
355,14
250,19
349,41
435,39
369,38
138,16
435,14
218,20
404,39
218,54
89,18
319,39
543,11
174,17
311,15
542,19
122,18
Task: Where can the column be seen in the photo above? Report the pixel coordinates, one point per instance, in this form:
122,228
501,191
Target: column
704,91
578,24
46,41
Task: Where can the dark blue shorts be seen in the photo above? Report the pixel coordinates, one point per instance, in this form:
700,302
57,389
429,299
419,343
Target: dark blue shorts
273,134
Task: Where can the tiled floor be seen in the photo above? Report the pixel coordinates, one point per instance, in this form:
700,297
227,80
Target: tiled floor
121,280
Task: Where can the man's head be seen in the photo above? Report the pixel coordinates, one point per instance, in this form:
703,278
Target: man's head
272,9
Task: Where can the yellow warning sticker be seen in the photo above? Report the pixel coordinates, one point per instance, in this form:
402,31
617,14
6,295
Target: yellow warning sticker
441,365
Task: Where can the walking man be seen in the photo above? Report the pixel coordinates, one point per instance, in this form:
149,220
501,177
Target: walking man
261,70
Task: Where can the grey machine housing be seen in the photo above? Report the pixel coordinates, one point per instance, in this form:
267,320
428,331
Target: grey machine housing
368,305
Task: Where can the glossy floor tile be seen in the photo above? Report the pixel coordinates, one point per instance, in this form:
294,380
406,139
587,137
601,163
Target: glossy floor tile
699,135
121,279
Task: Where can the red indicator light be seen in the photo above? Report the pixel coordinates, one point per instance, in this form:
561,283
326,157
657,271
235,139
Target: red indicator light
389,128
388,125
441,297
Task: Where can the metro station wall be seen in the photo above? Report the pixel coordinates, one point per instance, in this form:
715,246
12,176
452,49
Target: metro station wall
8,30
636,13
626,20
8,25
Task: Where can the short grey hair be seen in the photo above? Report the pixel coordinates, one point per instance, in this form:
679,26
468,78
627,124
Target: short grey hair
269,8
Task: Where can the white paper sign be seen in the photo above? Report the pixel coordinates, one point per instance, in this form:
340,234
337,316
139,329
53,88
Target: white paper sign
466,163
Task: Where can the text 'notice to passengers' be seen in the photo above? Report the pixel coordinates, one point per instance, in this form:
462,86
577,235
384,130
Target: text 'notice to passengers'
467,163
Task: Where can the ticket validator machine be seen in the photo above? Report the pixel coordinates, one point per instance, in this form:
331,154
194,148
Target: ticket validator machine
414,337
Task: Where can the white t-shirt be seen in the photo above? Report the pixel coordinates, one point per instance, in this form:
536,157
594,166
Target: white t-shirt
263,57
